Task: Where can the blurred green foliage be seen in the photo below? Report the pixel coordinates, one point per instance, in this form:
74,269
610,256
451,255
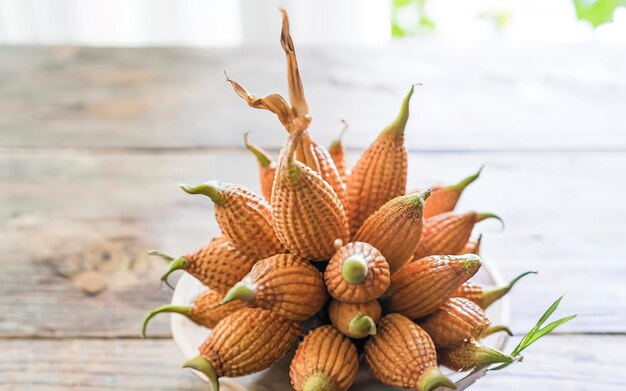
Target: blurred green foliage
408,17
597,12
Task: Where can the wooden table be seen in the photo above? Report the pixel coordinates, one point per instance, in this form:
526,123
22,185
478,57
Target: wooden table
94,141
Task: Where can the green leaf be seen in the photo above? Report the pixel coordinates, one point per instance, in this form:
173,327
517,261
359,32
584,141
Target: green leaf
401,3
537,332
597,12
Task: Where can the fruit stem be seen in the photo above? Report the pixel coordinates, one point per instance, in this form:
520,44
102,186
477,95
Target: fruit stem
354,269
398,124
211,189
239,291
362,326
484,216
466,181
336,144
164,308
317,382
433,378
160,254
494,294
177,264
202,365
487,356
262,157
472,262
496,329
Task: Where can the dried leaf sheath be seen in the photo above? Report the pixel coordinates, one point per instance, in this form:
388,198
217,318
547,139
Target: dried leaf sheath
380,173
308,216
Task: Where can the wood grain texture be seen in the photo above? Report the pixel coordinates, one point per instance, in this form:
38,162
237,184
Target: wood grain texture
67,212
501,95
568,363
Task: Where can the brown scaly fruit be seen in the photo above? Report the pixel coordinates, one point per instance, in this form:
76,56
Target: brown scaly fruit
380,173
357,273
217,265
448,232
244,342
338,154
472,246
206,310
445,198
286,284
267,167
244,217
355,320
325,361
395,229
422,286
402,355
308,216
328,170
485,297
471,355
457,321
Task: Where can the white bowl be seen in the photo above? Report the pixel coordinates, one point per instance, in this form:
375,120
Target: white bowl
189,336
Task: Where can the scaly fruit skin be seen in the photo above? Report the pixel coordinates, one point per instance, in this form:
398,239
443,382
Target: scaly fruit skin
308,216
355,320
380,173
338,154
457,321
402,355
447,233
395,229
267,168
472,246
206,310
422,286
288,285
244,217
372,281
217,265
325,361
444,199
471,355
485,297
248,341
319,160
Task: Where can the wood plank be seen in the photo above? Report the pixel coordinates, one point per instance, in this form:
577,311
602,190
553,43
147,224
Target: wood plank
568,363
67,212
476,97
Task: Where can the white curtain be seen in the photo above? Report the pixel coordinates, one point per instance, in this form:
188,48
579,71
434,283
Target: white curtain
189,22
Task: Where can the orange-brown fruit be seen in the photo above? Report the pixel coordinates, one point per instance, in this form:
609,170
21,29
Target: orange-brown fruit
244,217
472,246
206,310
286,284
471,355
338,154
308,216
445,198
422,286
325,361
267,167
217,265
357,273
355,320
380,173
244,342
395,229
323,164
402,355
457,321
448,232
485,297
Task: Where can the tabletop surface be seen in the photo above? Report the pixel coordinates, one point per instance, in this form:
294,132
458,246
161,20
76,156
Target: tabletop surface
94,141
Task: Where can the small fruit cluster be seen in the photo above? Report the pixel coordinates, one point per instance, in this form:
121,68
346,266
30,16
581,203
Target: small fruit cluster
359,237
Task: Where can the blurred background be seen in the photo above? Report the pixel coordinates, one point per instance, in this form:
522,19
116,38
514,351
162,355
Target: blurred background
217,23
105,105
